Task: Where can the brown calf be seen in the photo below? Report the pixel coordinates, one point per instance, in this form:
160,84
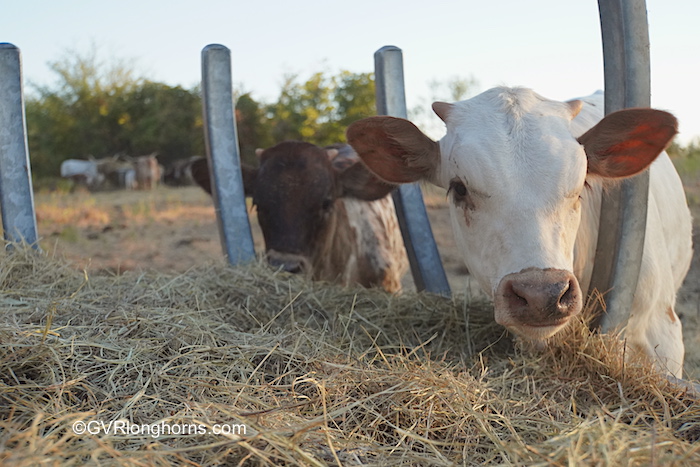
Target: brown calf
324,214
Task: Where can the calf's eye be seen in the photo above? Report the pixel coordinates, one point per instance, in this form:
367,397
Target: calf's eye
327,204
460,194
459,189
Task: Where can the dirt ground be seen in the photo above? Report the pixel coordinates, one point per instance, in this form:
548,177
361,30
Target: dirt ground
174,229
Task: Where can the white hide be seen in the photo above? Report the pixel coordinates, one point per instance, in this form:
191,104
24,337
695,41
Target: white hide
87,169
525,173
378,237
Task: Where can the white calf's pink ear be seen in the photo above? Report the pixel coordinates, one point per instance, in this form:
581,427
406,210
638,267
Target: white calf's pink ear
442,110
394,149
626,142
259,151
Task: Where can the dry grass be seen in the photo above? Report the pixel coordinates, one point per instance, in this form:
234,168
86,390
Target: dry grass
95,210
318,375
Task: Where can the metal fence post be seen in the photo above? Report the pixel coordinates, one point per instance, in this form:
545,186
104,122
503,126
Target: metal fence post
223,156
16,197
618,260
426,266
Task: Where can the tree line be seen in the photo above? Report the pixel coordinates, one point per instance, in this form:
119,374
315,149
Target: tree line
96,110
101,110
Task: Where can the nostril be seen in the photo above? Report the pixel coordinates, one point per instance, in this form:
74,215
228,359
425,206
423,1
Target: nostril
294,268
560,290
570,296
516,294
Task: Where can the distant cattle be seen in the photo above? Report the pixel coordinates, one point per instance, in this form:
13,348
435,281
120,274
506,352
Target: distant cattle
118,172
524,177
147,172
324,214
179,173
84,172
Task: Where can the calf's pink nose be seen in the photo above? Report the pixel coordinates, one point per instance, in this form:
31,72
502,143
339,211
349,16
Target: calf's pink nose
537,297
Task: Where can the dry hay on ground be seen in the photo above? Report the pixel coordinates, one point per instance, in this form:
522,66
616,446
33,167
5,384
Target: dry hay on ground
316,374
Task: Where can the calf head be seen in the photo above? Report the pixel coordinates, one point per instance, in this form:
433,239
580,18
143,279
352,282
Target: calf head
515,177
296,190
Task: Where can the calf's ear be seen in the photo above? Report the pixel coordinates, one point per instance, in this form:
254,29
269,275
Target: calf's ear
353,177
200,174
394,149
250,175
626,142
358,182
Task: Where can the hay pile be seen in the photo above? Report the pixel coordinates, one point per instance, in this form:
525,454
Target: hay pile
307,374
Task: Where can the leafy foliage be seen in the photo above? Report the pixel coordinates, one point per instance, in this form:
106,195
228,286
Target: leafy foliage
94,110
686,159
319,110
98,111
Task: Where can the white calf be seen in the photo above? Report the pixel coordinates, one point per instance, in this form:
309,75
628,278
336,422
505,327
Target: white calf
524,176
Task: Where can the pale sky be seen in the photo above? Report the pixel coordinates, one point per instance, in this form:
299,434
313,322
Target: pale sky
551,46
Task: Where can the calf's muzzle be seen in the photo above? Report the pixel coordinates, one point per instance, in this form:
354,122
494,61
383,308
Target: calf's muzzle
536,303
288,262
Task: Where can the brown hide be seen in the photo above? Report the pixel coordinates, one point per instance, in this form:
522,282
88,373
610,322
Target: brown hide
147,172
316,208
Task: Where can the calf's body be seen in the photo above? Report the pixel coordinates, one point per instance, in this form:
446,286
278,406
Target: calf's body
524,176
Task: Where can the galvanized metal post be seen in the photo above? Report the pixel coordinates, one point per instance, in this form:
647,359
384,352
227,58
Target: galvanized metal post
221,142
426,266
16,197
623,216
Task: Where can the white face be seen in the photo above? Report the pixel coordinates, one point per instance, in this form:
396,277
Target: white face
514,174
515,168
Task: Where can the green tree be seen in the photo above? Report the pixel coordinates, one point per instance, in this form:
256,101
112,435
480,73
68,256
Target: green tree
319,110
100,110
75,117
157,118
354,95
253,128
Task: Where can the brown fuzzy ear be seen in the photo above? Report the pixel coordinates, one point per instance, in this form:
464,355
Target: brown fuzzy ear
626,142
394,149
353,176
200,174
359,182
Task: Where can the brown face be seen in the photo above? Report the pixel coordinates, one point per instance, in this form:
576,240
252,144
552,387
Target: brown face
295,190
294,193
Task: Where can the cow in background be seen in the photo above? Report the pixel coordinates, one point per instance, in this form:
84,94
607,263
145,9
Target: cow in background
82,172
118,172
147,172
524,177
324,214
